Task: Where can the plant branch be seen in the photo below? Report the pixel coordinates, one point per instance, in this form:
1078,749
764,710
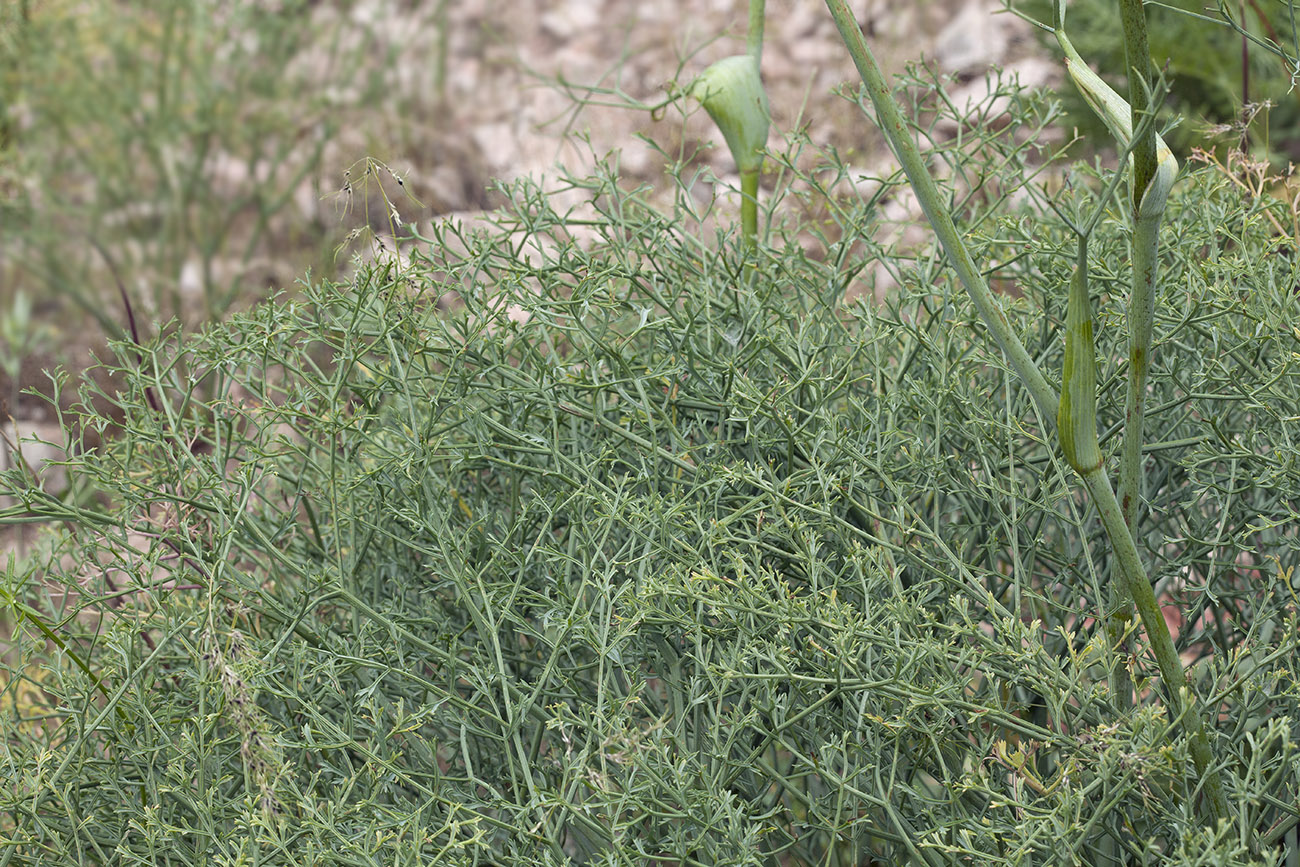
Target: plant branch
1137,58
895,128
1179,697
1148,207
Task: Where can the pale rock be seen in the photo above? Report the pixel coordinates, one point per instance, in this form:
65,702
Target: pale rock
803,19
495,141
228,175
308,203
190,280
975,99
572,18
637,159
39,445
446,183
975,39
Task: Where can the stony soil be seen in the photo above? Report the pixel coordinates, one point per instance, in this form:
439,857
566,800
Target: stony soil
503,114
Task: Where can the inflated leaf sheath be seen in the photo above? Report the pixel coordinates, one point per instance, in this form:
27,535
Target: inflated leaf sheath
1076,417
731,91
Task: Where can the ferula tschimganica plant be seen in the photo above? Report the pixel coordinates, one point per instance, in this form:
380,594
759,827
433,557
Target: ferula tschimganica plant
575,540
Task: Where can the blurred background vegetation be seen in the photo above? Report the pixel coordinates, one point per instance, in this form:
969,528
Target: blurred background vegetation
168,161
165,162
1218,80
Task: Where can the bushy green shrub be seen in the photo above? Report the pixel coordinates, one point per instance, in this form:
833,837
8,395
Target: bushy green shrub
656,551
170,154
682,562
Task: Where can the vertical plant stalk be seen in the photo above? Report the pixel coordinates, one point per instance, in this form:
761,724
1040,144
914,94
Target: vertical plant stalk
1137,59
895,128
1120,119
731,91
1145,253
749,206
1076,424
1180,699
749,179
1154,171
441,20
754,37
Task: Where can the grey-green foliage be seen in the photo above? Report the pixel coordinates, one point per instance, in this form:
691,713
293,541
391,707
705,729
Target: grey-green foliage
685,561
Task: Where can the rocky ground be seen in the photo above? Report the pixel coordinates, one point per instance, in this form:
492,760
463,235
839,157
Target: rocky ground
503,114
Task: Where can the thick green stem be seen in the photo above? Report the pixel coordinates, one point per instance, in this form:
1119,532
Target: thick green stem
1179,697
1119,611
1076,424
1147,152
932,203
1146,232
1120,120
1141,315
754,40
749,179
1137,59
749,206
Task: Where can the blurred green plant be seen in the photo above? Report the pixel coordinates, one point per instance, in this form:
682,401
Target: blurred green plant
159,146
1220,78
21,335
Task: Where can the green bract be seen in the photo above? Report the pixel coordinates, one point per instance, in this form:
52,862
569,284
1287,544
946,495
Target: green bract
731,91
1076,418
